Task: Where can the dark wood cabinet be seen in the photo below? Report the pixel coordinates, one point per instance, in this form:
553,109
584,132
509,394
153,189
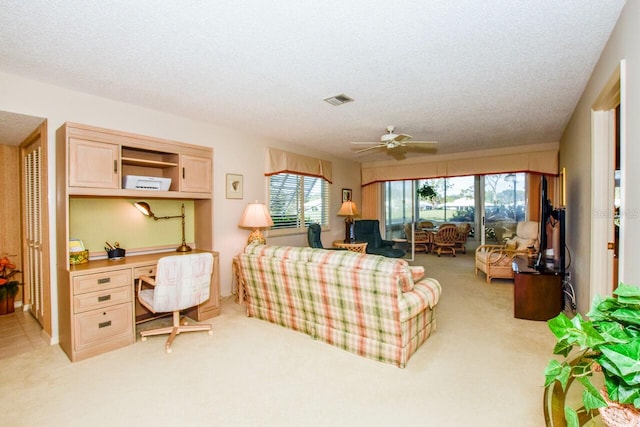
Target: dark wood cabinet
537,295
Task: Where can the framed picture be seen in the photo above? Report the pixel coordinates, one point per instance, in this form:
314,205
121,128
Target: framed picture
234,186
346,194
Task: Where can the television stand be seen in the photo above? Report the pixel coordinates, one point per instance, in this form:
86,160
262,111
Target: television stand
537,294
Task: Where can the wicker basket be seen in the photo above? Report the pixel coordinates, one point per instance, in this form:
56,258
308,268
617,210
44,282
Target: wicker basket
617,415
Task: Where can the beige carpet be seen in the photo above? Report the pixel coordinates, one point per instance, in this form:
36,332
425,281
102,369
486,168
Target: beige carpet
482,367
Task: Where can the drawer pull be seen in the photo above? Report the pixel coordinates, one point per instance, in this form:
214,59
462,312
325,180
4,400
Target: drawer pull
104,298
104,280
104,324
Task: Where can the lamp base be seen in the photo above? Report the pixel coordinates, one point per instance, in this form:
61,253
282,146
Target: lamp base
183,248
256,236
348,224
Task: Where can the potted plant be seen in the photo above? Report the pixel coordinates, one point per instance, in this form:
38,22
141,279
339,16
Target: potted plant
426,192
608,344
8,285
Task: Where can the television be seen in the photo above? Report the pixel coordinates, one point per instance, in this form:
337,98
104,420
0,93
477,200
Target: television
552,233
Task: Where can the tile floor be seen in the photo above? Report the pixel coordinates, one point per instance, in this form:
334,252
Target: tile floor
19,333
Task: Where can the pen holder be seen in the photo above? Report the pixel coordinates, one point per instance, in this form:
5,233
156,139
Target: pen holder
117,253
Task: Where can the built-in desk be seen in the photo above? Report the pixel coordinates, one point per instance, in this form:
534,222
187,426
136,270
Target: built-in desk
537,294
97,303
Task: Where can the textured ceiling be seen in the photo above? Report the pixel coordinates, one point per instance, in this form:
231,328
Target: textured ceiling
470,74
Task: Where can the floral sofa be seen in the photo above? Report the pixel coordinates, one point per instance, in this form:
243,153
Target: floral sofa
376,307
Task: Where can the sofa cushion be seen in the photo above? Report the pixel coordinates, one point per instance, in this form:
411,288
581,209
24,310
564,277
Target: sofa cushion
392,266
283,252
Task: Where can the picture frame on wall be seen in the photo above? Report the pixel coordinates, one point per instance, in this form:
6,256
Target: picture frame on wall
346,194
234,186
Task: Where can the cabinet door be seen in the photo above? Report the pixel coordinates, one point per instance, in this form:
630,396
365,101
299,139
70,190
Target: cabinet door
93,164
196,174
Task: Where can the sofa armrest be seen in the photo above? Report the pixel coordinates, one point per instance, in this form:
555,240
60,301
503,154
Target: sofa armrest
425,294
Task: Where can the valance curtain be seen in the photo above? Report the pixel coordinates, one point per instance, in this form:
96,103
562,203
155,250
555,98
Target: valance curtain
540,158
278,161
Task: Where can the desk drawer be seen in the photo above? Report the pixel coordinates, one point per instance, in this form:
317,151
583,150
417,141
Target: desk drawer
101,281
147,270
101,299
102,327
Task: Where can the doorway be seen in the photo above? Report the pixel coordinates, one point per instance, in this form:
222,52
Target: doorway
26,137
607,162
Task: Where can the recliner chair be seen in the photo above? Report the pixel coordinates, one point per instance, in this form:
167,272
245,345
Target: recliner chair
368,230
313,237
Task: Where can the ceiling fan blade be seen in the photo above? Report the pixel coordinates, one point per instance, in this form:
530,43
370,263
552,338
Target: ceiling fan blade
422,142
402,137
365,143
370,148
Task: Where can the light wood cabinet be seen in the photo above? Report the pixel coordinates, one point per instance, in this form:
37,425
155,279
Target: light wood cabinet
93,164
101,313
196,174
96,301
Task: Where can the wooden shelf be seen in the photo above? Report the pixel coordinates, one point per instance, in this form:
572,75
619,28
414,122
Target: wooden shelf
142,162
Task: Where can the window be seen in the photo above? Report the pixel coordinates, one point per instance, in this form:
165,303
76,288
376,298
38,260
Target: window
295,201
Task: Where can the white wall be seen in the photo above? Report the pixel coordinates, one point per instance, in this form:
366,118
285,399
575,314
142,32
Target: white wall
575,155
234,152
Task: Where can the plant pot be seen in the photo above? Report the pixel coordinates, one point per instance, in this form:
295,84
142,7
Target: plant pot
11,303
4,305
617,415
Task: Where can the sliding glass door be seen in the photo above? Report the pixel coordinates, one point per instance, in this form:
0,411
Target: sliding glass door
504,207
492,204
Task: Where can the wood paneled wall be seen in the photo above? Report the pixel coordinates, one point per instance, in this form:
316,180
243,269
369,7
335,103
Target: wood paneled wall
10,206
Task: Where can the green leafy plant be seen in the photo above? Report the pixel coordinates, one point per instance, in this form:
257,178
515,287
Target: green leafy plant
609,341
426,192
8,285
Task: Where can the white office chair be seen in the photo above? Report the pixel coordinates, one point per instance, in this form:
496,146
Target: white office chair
181,282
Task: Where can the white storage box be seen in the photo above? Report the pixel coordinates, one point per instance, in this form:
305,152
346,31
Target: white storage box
135,182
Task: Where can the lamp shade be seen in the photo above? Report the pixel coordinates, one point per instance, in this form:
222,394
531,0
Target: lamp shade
144,208
348,208
255,215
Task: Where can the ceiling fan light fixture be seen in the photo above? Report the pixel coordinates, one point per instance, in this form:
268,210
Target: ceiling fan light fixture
338,99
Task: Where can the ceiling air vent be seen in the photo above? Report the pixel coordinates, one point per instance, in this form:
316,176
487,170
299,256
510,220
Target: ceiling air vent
338,100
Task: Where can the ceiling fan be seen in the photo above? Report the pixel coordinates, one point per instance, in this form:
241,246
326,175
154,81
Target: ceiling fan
390,140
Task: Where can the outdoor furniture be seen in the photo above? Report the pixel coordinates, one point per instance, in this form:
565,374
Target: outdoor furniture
422,240
445,239
463,232
496,260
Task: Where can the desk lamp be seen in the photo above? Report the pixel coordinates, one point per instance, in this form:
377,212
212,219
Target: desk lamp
146,210
256,216
348,210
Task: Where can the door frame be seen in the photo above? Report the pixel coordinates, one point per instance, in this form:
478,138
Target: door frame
603,145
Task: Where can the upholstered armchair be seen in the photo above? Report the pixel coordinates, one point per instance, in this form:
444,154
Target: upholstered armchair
368,230
495,261
313,237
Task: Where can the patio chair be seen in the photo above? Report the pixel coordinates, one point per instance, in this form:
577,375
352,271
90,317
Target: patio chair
495,261
422,240
445,239
463,232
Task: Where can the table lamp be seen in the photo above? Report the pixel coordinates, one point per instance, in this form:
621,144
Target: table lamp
348,210
146,210
256,216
